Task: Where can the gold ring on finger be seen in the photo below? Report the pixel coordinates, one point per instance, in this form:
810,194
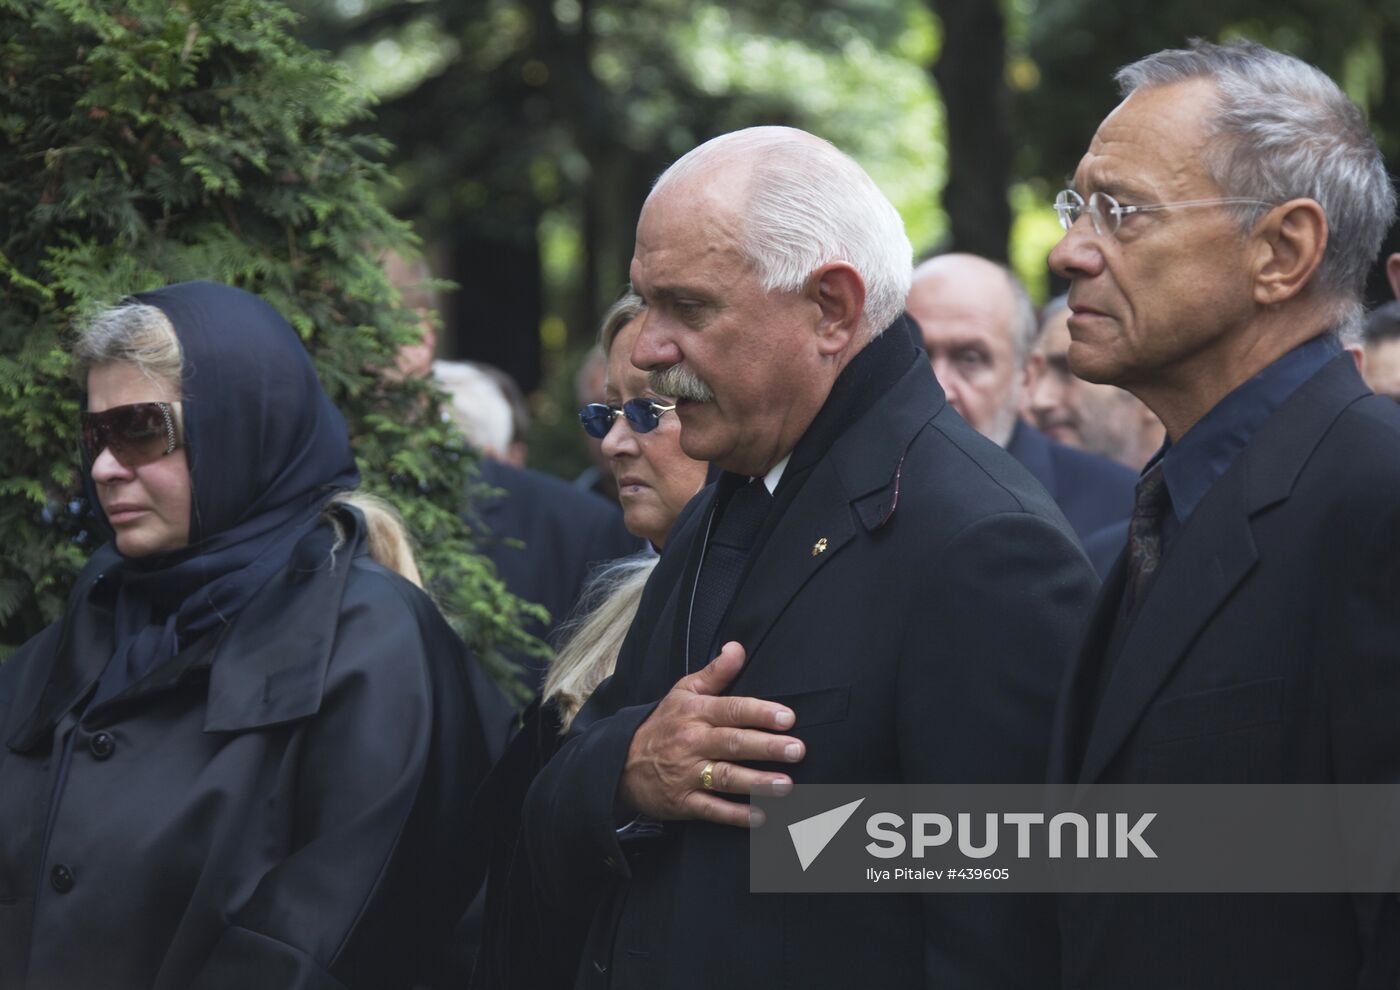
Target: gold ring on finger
707,777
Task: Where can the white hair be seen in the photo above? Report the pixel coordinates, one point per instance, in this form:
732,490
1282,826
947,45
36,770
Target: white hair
479,406
1283,130
808,204
1024,326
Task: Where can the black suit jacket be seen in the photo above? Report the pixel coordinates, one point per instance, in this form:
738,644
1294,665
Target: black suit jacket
922,645
1267,650
546,538
1092,491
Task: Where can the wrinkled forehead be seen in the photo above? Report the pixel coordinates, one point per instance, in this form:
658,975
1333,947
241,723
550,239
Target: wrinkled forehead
1154,139
688,233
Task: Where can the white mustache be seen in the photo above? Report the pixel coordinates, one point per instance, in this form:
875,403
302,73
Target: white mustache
679,382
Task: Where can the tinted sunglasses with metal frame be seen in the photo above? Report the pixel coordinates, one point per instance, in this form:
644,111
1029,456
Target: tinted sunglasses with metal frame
136,434
643,415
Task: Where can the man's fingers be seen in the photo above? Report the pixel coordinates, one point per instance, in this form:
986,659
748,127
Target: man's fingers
731,778
749,745
703,806
719,673
748,712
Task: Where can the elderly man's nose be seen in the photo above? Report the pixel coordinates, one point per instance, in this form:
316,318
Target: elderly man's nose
654,348
1079,253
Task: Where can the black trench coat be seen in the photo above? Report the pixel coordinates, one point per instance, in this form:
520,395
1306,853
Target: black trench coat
282,804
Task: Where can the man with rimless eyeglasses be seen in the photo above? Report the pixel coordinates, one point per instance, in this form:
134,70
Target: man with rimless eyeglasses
1218,233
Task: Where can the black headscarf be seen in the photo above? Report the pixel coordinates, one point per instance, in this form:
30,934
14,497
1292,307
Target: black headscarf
266,450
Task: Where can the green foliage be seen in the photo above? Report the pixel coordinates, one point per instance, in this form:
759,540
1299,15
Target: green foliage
147,142
563,113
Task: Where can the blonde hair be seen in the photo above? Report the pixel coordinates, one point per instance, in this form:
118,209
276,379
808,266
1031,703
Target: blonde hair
390,544
628,307
594,635
132,333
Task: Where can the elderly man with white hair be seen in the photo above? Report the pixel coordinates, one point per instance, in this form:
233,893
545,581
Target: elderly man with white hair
834,609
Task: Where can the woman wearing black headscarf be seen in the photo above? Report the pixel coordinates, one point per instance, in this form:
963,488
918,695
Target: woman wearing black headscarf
243,756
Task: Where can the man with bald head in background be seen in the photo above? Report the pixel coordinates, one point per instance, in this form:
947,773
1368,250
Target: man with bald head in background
853,568
978,327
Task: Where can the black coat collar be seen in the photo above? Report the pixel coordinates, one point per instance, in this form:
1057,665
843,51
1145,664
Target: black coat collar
268,667
844,474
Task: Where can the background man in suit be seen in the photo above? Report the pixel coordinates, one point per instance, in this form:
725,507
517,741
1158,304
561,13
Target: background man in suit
895,599
978,327
1380,350
545,536
1219,232
1102,419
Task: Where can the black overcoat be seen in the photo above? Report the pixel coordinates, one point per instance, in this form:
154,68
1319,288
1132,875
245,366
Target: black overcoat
922,643
283,804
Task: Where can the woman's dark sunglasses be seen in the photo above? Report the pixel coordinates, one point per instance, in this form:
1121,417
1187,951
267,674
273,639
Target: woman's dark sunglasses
642,415
136,434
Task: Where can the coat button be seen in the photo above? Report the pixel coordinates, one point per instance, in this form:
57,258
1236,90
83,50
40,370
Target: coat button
102,745
61,878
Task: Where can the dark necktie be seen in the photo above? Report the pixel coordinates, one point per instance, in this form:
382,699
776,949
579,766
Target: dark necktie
725,556
1145,533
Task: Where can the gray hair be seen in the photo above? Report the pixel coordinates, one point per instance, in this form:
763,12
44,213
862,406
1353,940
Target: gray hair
627,308
1022,326
132,333
1283,130
1025,328
808,204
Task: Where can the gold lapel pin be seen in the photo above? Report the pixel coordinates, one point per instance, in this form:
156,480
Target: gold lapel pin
819,546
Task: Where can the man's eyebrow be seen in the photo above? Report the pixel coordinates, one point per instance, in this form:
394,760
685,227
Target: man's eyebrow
1118,189
671,292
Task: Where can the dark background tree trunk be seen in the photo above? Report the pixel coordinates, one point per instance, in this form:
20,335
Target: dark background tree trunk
970,74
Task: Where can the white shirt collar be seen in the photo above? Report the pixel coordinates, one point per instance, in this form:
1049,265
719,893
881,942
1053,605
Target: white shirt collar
771,479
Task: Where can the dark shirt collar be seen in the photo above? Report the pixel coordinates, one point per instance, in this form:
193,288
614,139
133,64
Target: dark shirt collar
1195,462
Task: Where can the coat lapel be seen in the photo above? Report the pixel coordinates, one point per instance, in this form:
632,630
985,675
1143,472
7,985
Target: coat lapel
854,486
811,532
1213,553
1077,689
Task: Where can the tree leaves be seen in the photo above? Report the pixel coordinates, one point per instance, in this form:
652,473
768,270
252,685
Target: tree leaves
146,143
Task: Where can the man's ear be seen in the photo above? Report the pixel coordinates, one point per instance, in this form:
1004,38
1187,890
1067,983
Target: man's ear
1289,243
839,292
1392,273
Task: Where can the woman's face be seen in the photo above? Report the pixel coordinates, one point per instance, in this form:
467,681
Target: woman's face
147,505
654,476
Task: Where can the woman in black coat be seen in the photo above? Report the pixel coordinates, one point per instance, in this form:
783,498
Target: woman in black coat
243,756
529,943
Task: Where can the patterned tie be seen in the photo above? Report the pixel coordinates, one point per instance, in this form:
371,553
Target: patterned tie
1145,532
725,556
